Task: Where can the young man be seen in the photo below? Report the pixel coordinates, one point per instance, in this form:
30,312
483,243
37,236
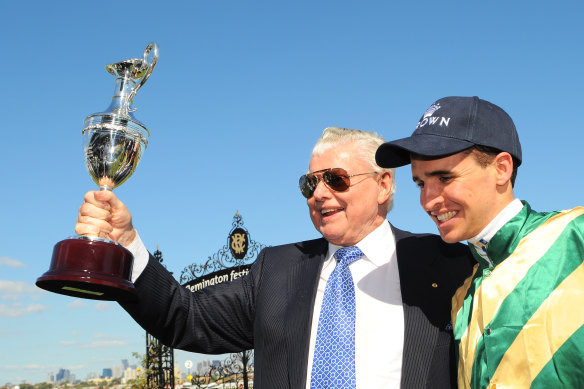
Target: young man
519,320
395,330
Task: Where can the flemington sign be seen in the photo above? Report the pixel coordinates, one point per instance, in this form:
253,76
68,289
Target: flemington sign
217,277
229,263
238,242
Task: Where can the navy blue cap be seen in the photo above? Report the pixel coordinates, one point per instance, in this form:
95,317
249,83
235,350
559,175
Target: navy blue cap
451,125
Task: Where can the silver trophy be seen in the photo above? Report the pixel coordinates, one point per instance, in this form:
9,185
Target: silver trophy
114,140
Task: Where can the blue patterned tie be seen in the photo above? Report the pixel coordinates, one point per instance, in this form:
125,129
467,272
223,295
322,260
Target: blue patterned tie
334,351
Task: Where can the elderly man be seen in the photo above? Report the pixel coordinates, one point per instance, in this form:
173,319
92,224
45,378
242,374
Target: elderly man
365,306
518,321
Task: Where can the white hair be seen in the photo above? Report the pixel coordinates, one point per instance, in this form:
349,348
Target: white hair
368,143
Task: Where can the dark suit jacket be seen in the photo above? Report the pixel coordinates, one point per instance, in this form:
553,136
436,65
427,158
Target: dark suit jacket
271,310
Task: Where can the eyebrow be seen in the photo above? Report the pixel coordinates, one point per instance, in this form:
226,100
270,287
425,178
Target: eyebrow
438,173
433,174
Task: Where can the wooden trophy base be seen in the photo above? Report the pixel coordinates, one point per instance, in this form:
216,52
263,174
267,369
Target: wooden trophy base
90,268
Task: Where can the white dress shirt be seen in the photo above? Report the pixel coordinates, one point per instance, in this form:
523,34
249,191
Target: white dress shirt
379,320
379,315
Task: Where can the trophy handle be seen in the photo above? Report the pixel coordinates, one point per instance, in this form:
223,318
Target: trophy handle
152,47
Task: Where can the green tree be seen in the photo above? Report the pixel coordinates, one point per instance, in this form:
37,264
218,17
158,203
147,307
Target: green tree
140,382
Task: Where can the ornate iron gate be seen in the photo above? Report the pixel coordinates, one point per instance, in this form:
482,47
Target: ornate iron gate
232,260
159,358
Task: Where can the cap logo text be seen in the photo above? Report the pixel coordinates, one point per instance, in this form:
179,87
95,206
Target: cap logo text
429,119
430,111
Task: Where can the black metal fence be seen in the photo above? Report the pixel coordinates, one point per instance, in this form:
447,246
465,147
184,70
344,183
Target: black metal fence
236,371
233,259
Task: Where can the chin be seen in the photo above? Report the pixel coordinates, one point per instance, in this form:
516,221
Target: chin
334,239
450,238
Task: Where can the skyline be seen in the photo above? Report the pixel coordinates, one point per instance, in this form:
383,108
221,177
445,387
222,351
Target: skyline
240,94
125,371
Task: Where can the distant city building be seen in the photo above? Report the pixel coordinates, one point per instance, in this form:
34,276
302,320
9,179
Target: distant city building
130,374
203,367
64,375
124,371
117,372
178,373
99,380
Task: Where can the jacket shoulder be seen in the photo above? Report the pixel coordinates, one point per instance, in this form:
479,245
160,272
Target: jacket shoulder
313,246
431,243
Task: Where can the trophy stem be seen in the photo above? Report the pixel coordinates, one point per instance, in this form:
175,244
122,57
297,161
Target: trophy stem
104,188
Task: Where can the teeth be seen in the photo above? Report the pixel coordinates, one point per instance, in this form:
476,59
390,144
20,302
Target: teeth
325,211
446,216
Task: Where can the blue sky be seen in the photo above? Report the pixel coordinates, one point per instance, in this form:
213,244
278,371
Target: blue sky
241,92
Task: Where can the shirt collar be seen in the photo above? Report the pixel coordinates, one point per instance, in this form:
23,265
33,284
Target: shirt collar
377,247
482,239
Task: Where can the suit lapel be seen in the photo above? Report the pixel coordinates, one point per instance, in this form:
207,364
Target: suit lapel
420,336
302,284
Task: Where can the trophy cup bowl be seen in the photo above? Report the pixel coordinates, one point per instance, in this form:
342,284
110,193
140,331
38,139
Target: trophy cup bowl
93,267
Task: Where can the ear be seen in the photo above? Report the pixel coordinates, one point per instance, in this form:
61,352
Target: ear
385,183
504,168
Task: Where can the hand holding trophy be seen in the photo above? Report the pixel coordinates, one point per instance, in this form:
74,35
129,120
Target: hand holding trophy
114,140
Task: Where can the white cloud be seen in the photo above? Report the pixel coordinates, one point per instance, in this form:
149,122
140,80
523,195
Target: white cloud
5,261
105,340
31,367
11,333
105,343
17,310
16,290
103,306
23,367
37,367
67,342
12,299
100,335
103,359
76,304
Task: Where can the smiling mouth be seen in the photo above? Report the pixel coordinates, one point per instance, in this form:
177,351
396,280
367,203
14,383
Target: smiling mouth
445,216
330,211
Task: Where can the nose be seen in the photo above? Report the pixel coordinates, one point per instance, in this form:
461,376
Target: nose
431,197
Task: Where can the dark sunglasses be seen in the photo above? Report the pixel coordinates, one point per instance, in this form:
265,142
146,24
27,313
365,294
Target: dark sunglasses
336,179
